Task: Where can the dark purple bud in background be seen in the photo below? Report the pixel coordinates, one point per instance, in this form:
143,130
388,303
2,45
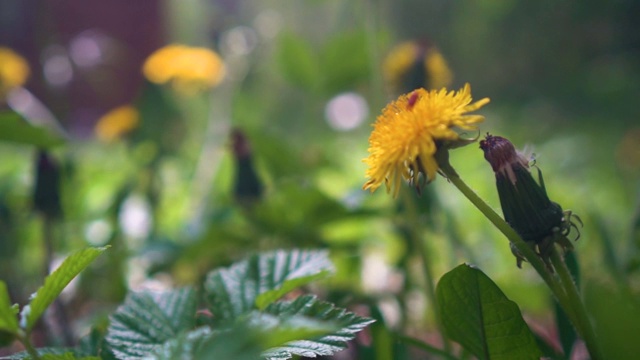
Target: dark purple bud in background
46,194
247,185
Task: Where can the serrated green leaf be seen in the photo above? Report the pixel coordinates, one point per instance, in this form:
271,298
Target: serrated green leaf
248,337
8,319
51,353
147,320
68,356
55,283
477,314
348,324
298,62
14,128
236,290
265,299
187,345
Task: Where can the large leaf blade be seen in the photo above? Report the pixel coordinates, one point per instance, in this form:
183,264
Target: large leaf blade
244,339
263,278
348,324
149,319
14,128
55,283
477,314
8,320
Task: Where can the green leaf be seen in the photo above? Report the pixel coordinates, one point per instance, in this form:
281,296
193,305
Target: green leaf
55,283
68,356
262,279
348,324
147,320
477,314
51,353
246,338
298,62
186,345
8,319
14,128
267,298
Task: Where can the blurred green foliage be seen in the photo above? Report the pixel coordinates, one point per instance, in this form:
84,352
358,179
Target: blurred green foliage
563,77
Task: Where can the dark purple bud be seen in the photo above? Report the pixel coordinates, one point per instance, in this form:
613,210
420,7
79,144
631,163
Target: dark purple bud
46,195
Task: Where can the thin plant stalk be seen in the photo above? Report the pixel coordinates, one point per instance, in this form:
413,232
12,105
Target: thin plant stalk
584,325
414,225
563,288
59,312
24,339
513,237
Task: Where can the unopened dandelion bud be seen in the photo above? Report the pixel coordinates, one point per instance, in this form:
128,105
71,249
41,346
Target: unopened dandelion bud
525,204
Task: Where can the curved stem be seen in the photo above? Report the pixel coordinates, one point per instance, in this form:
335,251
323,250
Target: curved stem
563,288
582,324
24,339
513,237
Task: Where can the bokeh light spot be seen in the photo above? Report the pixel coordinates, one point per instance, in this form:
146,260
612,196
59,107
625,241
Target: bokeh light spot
346,111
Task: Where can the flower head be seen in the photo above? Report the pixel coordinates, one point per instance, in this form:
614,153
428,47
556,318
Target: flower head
406,136
186,68
14,70
415,64
117,123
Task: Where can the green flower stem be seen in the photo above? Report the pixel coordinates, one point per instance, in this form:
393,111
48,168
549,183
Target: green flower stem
583,325
513,237
414,225
564,288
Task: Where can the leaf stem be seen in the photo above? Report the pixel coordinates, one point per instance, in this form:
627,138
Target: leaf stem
582,323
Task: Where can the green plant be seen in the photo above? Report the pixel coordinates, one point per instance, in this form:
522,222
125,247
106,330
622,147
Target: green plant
11,328
243,318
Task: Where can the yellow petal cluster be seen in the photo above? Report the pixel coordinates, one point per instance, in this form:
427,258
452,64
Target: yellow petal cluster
186,68
14,70
406,56
117,123
407,133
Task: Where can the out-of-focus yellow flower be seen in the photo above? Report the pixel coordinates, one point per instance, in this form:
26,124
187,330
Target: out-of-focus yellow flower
116,123
14,70
186,68
413,64
407,134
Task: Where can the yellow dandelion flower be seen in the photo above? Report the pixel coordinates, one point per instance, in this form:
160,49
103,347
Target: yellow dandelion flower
186,68
116,123
14,70
408,132
415,64
439,73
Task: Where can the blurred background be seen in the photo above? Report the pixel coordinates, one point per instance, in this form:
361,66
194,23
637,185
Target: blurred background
188,134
